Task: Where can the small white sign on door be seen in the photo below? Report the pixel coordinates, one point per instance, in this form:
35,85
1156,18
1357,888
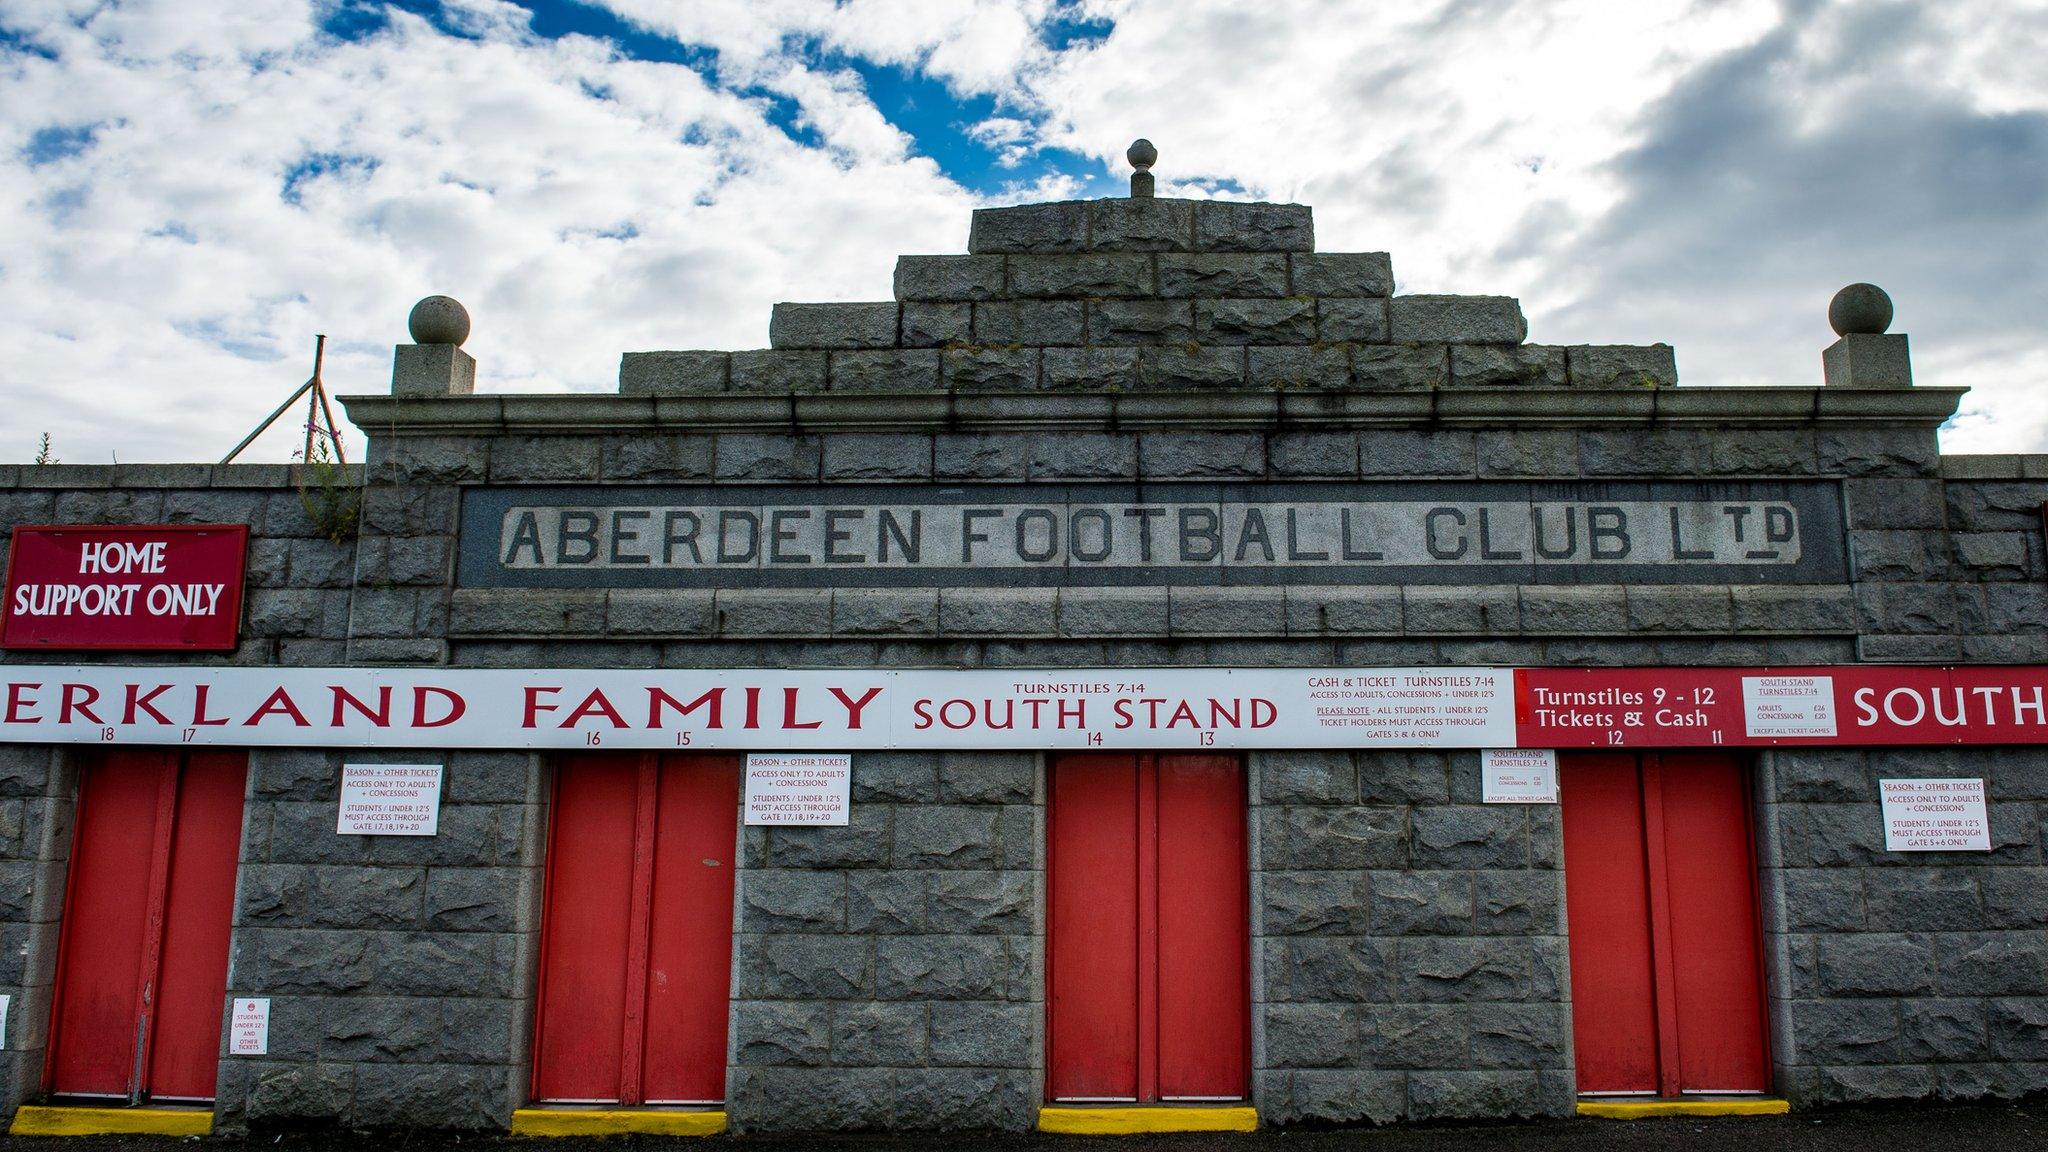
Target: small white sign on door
249,1027
389,800
799,787
1519,775
1943,815
6,1002
1788,705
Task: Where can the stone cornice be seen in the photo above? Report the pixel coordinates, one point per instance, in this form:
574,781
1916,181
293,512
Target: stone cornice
1497,408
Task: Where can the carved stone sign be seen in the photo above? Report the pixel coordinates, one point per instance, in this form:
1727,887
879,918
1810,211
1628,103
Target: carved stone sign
1101,534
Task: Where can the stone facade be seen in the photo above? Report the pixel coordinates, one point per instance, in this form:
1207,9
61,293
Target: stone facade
1409,943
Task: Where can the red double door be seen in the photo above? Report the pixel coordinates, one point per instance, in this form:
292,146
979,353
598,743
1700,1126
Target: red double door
1660,891
142,965
636,947
1147,956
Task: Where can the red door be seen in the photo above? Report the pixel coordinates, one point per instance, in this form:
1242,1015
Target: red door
637,933
1660,891
1147,960
142,968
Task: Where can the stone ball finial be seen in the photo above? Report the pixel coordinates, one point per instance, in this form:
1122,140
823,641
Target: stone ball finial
438,320
1142,154
1860,309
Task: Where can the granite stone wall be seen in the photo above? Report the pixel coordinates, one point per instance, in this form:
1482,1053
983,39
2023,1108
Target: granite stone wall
1409,942
399,968
1898,976
887,974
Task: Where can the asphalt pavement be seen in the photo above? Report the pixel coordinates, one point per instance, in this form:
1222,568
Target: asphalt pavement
1982,1128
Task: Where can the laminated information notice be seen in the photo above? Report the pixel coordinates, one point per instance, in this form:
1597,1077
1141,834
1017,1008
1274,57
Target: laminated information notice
390,800
1935,816
1519,775
1788,705
249,1027
799,787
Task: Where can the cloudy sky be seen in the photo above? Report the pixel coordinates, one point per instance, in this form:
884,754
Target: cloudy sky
190,189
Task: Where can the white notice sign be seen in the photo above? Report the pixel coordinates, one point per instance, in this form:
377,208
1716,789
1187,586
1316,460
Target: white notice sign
1519,775
1935,816
6,1001
798,787
1789,705
249,1028
390,800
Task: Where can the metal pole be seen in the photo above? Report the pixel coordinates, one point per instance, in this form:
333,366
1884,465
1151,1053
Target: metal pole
267,422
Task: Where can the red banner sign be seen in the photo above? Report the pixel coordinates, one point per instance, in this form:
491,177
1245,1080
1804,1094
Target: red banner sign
1839,704
134,587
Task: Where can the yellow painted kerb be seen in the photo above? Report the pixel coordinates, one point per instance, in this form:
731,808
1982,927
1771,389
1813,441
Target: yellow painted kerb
46,1120
1642,1109
1118,1121
615,1122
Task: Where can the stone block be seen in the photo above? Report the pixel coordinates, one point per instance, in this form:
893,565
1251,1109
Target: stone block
949,278
1191,366
1310,903
1884,452
432,370
932,325
1820,899
1483,836
979,456
1314,838
933,836
1529,452
981,903
833,326
1342,274
1087,275
1680,608
1866,360
673,373
1390,777
1990,963
880,1035
1562,609
1421,904
1489,609
1860,1085
1991,555
1493,366
940,967
1522,1036
1341,320
988,777
998,611
1845,1031
1332,1095
885,611
1906,609
1943,1031
660,612
1084,456
1090,369
1212,275
1200,455
1761,608
1222,226
1758,452
1255,321
772,1033
809,1099
982,1034
1113,612
779,901
439,1096
1133,224
886,903
1622,365
1300,367
1924,899
1418,1036
747,612
1511,903
1311,1035
1889,503
1030,322
1402,452
2018,1027
876,456
790,967
895,370
1875,964
1437,1095
960,1099
775,371
1230,611
1390,367
2015,898
1456,970
999,369
1306,777
1123,322
1456,320
863,842
1322,969
1313,455
1056,227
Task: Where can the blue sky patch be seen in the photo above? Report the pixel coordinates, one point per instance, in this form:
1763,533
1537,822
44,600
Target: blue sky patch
49,145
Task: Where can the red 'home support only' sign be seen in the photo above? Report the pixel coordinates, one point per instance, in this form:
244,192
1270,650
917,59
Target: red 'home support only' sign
138,588
1089,708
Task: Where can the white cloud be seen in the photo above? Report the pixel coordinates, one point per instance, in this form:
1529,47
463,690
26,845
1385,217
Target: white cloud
1701,173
